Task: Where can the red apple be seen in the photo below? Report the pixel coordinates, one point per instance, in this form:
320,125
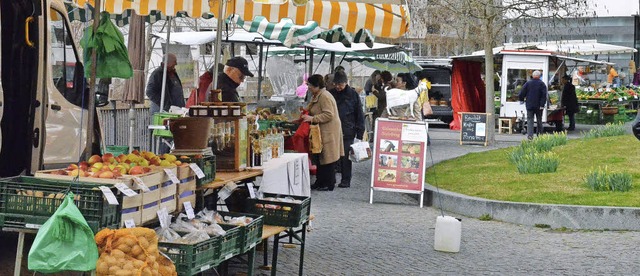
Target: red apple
136,170
83,165
106,174
94,159
108,158
72,167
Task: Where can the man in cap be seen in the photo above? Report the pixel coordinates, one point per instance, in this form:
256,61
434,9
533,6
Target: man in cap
235,72
534,92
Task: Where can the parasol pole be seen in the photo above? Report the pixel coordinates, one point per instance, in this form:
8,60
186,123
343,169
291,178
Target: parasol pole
91,104
164,70
217,50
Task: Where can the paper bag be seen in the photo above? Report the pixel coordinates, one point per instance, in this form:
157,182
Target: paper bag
315,139
359,152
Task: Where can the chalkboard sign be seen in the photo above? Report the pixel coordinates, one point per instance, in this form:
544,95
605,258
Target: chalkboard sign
473,128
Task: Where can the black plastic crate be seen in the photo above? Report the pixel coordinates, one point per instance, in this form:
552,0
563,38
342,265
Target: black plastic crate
251,234
29,202
208,166
191,259
278,213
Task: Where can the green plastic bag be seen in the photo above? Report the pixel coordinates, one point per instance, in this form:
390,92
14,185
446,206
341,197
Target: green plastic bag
64,242
112,57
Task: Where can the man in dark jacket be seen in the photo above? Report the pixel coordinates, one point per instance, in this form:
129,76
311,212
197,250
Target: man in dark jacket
352,119
235,72
570,101
173,91
534,92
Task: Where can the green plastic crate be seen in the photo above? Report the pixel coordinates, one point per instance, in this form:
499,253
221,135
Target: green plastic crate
230,243
208,166
251,234
285,214
265,124
20,210
158,119
117,150
191,259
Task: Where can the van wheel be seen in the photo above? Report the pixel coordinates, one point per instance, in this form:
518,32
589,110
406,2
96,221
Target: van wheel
446,119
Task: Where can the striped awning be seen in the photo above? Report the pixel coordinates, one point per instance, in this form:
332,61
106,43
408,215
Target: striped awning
291,34
85,14
382,20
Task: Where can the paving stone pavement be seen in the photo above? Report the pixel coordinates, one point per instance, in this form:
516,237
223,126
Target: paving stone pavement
394,236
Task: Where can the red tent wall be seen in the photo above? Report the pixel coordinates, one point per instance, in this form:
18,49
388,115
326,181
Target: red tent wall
467,90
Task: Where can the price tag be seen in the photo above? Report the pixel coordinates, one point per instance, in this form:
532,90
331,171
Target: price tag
172,176
589,111
625,98
635,97
620,99
222,206
252,193
162,216
111,198
126,190
129,223
189,210
197,170
141,184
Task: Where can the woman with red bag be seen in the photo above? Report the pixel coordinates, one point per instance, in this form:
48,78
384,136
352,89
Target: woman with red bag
324,111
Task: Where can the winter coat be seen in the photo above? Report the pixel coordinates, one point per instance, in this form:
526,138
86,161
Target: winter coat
569,99
535,93
173,90
228,87
351,114
325,113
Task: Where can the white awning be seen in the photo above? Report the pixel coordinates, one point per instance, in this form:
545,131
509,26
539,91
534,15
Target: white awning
567,47
198,38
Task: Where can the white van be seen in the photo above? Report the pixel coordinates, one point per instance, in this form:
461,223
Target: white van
42,121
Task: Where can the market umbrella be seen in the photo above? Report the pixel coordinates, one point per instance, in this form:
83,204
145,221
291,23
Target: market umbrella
134,87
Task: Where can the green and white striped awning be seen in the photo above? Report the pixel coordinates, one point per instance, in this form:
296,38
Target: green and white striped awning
291,34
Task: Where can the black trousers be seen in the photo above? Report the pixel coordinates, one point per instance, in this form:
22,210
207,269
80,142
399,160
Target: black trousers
325,176
345,163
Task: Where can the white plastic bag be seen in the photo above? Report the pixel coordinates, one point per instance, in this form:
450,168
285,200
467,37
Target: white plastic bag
360,151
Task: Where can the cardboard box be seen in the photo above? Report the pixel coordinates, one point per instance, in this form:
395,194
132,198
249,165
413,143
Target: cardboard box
168,202
184,197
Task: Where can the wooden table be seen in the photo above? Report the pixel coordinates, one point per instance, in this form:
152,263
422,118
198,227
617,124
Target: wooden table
223,177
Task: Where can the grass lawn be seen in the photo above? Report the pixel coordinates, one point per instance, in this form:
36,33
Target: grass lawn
490,174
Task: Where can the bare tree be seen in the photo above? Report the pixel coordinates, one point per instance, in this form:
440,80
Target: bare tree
493,16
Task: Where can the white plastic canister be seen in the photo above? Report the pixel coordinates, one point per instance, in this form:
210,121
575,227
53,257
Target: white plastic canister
448,232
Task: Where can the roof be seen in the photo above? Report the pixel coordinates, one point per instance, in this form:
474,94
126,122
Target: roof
198,38
566,47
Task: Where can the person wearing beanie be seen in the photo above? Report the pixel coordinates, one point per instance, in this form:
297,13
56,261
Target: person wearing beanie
351,118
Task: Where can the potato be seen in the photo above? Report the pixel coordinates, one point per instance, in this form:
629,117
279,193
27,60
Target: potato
59,196
102,268
128,266
123,272
51,196
136,250
29,192
138,264
118,254
144,243
38,194
124,248
114,269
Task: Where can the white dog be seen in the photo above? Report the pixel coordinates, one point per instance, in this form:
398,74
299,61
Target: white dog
398,97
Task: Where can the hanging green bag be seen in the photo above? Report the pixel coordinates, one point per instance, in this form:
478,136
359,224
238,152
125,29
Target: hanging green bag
64,242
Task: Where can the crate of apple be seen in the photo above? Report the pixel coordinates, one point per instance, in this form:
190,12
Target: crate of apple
110,166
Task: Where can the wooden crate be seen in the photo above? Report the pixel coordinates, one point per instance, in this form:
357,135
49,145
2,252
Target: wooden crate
46,174
169,202
184,197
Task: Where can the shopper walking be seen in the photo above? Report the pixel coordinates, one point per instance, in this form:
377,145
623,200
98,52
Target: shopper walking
324,111
534,92
570,101
351,118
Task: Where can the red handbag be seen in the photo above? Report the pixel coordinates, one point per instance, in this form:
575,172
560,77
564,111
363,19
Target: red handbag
301,137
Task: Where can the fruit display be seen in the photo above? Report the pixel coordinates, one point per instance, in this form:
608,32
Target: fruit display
109,166
607,94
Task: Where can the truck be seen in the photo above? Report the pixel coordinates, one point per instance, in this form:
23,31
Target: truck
43,115
438,72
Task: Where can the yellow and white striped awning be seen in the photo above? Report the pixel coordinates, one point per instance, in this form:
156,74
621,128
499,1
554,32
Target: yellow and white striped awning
382,20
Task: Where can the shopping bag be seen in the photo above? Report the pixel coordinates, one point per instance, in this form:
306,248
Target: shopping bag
64,242
371,101
426,109
315,139
360,151
300,139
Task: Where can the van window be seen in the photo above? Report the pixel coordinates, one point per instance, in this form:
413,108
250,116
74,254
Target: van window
63,60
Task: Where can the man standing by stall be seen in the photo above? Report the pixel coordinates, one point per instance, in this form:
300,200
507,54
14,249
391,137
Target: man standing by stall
173,90
235,72
352,119
534,92
570,101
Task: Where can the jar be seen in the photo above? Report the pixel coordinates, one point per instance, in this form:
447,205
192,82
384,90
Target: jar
235,110
224,111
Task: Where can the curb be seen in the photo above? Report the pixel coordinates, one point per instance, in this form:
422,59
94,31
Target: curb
531,214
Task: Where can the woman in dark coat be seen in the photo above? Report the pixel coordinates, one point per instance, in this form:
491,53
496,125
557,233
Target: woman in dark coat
570,101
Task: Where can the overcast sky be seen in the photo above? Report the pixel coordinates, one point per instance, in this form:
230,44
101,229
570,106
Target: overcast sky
616,7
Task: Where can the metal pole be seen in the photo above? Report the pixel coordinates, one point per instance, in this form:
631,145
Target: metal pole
91,105
332,62
260,72
217,50
164,72
310,62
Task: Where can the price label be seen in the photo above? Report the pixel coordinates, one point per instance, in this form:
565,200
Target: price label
252,193
620,99
162,217
197,170
172,176
589,111
126,190
129,223
141,184
635,97
625,98
222,206
111,198
189,210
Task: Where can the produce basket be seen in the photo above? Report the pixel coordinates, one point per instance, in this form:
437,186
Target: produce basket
609,110
230,243
207,164
191,259
27,202
251,234
277,213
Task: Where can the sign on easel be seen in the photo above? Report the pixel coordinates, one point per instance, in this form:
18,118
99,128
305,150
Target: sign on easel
473,128
400,153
